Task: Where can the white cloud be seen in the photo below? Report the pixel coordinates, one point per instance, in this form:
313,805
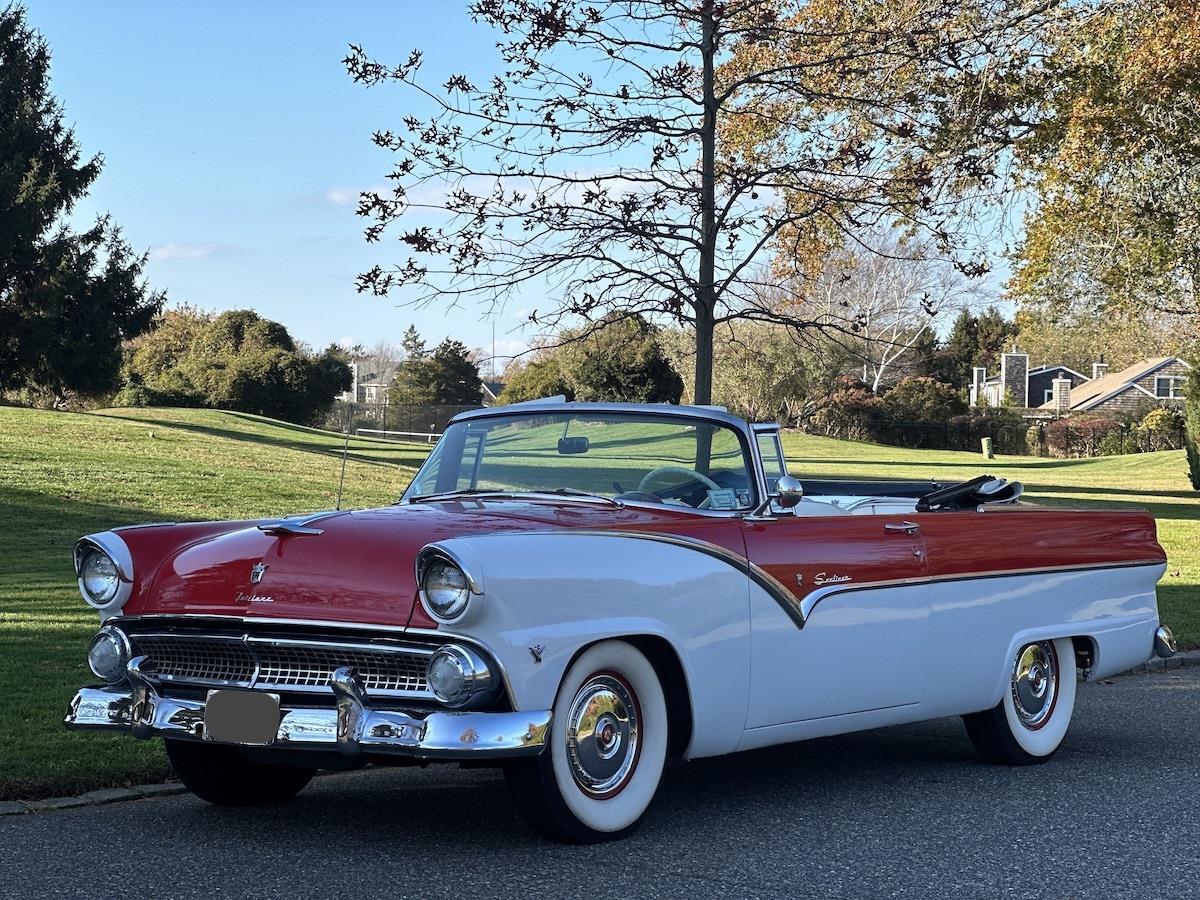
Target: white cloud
342,196
348,196
189,251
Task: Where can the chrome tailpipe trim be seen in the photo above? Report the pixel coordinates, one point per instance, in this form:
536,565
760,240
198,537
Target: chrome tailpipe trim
1164,643
351,725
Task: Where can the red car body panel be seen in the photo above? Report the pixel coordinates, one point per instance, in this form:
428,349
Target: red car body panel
812,552
360,568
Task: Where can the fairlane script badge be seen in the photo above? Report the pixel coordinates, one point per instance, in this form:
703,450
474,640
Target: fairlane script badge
252,598
824,578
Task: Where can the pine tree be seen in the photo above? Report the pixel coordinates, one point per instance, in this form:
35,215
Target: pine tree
67,300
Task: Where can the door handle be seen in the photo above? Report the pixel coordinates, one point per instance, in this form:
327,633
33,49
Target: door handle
902,527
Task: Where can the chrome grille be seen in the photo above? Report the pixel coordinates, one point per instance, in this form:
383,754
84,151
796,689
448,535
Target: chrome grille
312,666
280,664
196,659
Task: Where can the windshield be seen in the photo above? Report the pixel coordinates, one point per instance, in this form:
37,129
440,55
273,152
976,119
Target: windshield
622,456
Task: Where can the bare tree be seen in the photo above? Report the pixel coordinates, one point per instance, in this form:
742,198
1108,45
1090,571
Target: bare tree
887,295
650,157
382,356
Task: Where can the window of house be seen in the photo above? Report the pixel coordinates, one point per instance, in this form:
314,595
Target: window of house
1168,387
1047,395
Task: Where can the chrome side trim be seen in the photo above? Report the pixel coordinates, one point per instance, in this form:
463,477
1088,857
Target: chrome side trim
353,727
811,600
764,579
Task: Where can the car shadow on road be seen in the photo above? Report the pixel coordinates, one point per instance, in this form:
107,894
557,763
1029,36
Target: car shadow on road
372,808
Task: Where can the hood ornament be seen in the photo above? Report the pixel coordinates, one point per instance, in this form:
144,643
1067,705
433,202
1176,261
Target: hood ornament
257,573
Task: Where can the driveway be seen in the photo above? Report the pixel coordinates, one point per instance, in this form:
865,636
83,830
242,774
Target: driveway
906,811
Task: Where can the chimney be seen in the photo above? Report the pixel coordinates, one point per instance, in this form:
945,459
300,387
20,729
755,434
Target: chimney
1061,394
1099,368
978,377
1014,377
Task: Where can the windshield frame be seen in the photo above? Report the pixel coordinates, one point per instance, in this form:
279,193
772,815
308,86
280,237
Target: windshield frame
718,418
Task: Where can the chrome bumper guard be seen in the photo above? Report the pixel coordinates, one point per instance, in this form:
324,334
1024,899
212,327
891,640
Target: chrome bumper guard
1164,643
354,726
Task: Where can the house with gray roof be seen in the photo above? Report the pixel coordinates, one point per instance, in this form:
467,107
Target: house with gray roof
1158,380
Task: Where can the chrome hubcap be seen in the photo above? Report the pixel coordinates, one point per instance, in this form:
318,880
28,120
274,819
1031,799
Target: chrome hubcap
1035,684
602,735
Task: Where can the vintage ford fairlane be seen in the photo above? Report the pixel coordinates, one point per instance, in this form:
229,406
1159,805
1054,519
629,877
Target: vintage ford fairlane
577,592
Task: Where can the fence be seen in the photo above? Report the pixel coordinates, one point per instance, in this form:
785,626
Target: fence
1062,438
404,422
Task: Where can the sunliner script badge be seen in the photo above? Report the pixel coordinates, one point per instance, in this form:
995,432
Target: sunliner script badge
825,578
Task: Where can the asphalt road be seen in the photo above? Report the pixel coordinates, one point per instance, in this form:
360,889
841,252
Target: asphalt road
904,811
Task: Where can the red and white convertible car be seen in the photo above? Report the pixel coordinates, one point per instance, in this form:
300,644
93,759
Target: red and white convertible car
576,592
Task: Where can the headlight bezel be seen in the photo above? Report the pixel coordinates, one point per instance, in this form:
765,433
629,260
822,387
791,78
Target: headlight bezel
117,552
479,685
124,650
430,560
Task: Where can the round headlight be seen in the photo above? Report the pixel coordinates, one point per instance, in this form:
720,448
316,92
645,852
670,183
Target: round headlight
109,654
99,578
457,675
446,589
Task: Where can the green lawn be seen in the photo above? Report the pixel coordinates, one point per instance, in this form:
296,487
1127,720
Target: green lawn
63,475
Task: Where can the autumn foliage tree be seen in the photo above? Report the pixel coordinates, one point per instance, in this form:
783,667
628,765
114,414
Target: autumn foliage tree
657,157
1114,165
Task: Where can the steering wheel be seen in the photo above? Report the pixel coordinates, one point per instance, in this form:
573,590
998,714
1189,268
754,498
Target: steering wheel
691,474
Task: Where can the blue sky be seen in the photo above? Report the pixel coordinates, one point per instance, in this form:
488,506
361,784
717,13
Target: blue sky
235,145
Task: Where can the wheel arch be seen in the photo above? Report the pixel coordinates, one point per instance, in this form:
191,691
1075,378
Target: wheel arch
665,659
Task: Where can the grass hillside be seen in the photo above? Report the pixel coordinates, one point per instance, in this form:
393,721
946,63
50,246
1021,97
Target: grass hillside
63,475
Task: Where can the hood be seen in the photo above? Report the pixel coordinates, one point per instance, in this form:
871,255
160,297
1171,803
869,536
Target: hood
358,569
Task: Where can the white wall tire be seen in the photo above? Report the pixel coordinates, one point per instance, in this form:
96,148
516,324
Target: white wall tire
607,749
1028,725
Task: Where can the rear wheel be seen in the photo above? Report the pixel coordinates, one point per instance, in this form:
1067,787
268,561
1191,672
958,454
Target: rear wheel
222,775
1029,724
607,749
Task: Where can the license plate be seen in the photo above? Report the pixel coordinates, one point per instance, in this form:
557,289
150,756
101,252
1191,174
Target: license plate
241,717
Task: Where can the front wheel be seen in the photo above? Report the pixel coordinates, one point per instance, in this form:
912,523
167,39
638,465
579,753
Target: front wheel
607,749
222,775
1029,724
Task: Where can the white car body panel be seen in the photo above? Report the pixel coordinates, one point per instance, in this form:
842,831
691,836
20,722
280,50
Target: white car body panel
866,657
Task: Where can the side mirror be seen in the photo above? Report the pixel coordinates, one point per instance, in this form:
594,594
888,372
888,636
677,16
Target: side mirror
788,491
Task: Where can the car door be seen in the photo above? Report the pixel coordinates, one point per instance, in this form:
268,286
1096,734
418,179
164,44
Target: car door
859,584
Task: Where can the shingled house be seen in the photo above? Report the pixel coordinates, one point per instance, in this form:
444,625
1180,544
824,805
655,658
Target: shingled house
1061,389
1151,381
1019,385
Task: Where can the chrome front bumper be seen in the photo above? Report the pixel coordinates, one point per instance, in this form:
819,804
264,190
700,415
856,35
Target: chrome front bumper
353,726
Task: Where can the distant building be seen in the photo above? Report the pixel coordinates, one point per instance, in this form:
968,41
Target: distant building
491,392
368,385
1158,380
1059,388
1023,385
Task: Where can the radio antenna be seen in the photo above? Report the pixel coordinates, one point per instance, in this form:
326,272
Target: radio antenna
345,449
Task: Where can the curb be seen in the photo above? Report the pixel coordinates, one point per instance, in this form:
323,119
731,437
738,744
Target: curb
91,798
1183,660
